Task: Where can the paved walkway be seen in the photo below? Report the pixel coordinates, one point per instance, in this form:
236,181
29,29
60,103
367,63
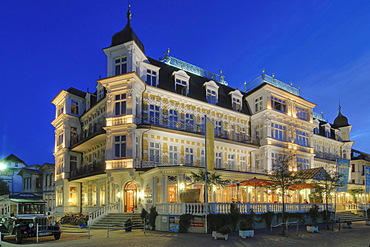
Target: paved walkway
358,236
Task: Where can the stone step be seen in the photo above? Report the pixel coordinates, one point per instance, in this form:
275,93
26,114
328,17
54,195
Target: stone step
348,216
116,219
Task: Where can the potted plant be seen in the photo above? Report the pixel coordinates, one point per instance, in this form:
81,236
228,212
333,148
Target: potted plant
128,225
312,228
245,230
222,232
81,222
367,222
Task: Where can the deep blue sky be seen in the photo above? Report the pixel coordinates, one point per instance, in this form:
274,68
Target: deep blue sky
48,45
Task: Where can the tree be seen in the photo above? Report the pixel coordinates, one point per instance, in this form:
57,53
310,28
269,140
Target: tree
4,188
325,185
282,179
213,178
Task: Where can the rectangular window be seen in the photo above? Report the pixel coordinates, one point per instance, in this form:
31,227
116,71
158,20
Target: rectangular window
189,156
60,110
151,78
172,193
211,96
120,104
237,106
230,161
102,194
73,135
218,128
181,87
278,132
72,196
258,104
154,152
302,113
301,138
38,182
60,138
189,122
74,107
327,133
202,159
121,66
59,195
218,160
95,195
154,114
353,168
172,119
302,163
120,146
101,93
173,155
278,104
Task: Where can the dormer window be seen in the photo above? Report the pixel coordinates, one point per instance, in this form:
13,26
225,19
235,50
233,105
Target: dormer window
181,87
151,78
211,96
120,65
278,104
181,82
211,92
236,100
100,94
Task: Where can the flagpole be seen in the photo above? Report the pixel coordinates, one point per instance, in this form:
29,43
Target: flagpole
206,175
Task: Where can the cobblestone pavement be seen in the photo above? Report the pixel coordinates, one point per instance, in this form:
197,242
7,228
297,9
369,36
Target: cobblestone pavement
358,236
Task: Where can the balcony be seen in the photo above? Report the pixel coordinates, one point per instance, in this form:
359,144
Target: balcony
94,168
192,127
97,129
327,156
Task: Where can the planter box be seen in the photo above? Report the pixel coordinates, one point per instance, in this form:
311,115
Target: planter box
367,222
217,235
246,233
312,229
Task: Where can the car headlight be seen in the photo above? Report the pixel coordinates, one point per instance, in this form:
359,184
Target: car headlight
30,225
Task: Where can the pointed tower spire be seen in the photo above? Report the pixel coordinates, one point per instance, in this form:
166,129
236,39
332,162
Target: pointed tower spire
127,34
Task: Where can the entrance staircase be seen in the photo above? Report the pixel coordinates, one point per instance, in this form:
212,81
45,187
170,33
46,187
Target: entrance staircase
348,216
117,219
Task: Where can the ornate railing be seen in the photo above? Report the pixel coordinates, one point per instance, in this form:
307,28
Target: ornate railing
272,81
224,208
86,169
97,128
100,212
357,206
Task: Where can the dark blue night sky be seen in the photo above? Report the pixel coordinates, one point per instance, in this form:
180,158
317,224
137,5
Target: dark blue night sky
47,45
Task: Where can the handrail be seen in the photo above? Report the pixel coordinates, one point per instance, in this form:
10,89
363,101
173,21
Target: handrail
100,212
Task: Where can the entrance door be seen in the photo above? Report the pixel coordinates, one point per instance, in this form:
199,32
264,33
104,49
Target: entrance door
130,197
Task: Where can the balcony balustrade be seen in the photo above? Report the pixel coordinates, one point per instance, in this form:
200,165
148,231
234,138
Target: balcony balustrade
224,208
89,169
97,128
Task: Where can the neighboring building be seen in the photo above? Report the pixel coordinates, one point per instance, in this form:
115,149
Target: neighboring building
10,166
39,180
136,140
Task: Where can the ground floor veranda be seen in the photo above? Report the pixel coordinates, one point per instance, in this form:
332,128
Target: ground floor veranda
169,190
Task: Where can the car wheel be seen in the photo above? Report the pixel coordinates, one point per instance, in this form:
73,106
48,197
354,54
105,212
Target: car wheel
18,236
57,236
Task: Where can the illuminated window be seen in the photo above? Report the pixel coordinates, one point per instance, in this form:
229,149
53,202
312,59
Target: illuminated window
120,146
172,193
102,194
59,190
278,104
72,195
302,163
120,104
74,107
151,77
95,195
121,66
218,159
73,135
231,161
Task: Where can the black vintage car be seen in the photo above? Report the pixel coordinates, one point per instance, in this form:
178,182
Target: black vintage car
24,228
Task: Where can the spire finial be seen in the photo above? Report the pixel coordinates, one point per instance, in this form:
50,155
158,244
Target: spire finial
339,107
129,14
